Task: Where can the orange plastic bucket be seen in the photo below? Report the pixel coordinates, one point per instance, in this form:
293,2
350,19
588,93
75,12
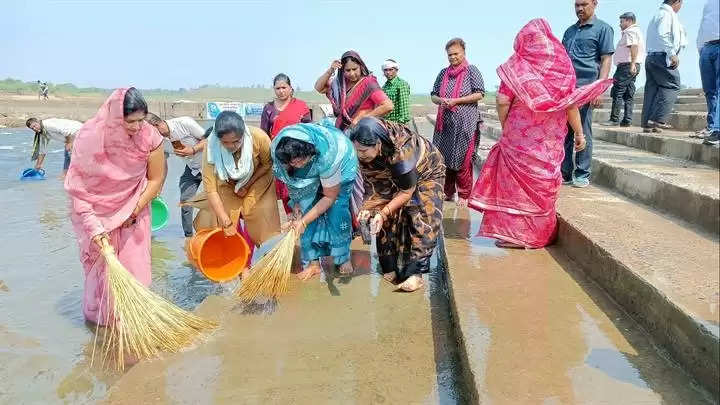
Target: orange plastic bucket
219,257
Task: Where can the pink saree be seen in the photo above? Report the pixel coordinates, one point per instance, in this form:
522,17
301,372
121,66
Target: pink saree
518,185
105,179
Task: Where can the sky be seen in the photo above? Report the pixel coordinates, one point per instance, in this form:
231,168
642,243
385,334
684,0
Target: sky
188,43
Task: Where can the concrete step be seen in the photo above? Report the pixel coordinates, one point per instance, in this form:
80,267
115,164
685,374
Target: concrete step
680,120
669,143
675,144
637,107
641,258
665,274
540,303
639,98
681,188
662,270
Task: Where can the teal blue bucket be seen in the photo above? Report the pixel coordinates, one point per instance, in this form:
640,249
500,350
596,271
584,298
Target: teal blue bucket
159,213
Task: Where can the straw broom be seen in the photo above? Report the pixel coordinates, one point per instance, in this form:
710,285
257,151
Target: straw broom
270,275
140,323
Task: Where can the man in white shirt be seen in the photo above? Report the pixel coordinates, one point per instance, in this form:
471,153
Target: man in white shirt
665,39
708,44
52,128
187,141
629,55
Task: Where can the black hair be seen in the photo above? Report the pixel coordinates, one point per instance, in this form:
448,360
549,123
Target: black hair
134,102
290,148
227,122
671,2
31,120
282,77
153,119
368,132
208,132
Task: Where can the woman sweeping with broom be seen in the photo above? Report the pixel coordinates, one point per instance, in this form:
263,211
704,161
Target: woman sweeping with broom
319,166
118,167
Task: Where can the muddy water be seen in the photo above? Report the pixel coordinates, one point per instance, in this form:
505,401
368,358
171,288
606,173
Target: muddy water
335,340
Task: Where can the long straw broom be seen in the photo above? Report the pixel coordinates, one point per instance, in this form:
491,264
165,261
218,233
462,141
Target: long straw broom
140,323
270,275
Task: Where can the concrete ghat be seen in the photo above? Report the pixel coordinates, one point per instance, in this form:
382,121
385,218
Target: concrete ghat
533,330
632,252
669,143
340,341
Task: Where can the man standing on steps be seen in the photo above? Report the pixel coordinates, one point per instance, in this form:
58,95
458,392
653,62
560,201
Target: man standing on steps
665,39
629,55
398,91
708,43
589,42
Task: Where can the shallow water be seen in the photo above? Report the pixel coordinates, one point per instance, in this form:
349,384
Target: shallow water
352,340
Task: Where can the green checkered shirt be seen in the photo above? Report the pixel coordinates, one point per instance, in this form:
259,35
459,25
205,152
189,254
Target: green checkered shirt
398,90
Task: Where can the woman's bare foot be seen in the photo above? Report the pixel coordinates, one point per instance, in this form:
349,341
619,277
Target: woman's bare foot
508,245
413,283
390,277
462,203
346,268
312,270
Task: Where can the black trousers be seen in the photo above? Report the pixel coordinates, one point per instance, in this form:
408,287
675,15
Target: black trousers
623,93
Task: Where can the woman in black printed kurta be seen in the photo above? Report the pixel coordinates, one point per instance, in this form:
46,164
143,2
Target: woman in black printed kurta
458,119
404,175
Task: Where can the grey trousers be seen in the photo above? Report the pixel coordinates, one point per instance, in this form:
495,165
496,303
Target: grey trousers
662,87
189,184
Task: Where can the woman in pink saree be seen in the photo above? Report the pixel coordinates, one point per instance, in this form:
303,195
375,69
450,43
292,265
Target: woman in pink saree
118,168
518,185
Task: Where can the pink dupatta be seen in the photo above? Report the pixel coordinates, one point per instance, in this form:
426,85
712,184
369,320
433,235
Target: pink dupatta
541,74
109,168
105,179
459,72
518,185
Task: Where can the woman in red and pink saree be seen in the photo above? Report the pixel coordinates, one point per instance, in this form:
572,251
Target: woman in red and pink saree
518,185
353,92
118,167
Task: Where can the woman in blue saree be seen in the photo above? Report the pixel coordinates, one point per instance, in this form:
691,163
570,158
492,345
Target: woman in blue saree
320,168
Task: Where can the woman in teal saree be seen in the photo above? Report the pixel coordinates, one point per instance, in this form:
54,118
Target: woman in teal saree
320,168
